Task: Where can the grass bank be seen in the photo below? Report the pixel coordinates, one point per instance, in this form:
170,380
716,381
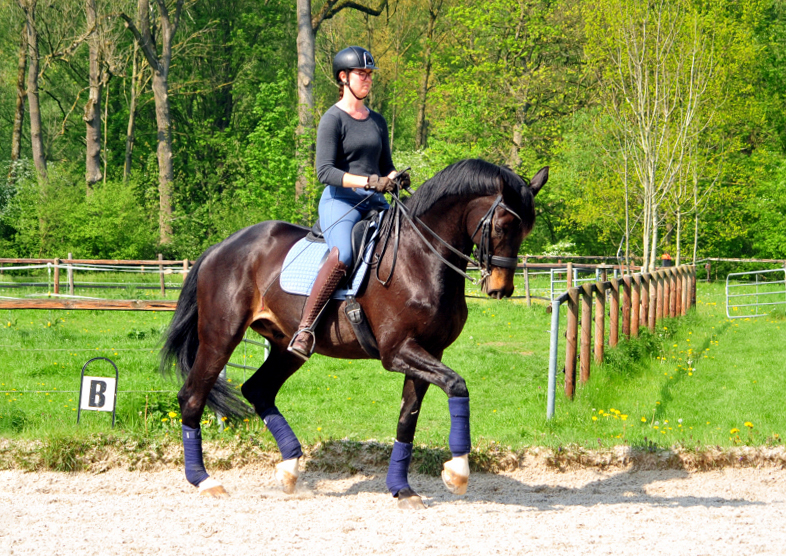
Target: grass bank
698,382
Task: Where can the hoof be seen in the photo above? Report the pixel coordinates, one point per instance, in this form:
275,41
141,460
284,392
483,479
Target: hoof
214,492
455,475
413,502
287,481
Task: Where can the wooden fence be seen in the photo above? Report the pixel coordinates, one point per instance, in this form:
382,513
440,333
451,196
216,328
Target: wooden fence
642,299
67,265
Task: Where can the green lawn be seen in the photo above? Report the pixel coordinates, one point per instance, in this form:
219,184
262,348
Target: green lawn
698,381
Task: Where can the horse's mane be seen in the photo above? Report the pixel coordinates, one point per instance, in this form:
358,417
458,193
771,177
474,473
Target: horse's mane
467,178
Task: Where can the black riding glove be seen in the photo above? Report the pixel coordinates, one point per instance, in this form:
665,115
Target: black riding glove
403,180
380,184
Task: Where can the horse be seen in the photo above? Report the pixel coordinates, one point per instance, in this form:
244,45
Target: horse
414,314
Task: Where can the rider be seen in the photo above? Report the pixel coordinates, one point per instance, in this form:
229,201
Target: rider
355,165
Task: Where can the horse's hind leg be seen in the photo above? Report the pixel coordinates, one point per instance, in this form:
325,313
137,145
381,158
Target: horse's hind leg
261,390
209,362
412,398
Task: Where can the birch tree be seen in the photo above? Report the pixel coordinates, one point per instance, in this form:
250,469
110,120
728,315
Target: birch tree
654,62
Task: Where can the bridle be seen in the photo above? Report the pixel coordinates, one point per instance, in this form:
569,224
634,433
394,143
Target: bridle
484,256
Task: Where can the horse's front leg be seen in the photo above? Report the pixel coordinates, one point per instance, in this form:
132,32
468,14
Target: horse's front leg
397,482
414,361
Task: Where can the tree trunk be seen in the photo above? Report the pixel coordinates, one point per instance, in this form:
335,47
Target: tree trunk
160,65
514,159
166,173
19,113
33,103
92,116
679,236
654,242
131,117
421,125
306,39
695,218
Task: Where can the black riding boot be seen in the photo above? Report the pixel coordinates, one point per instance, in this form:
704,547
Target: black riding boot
330,276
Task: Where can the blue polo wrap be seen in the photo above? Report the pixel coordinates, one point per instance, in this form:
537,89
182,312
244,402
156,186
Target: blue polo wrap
192,454
459,440
288,444
399,467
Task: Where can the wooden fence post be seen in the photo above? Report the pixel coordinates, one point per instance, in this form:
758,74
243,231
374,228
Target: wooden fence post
645,299
569,270
626,306
57,276
672,298
600,324
571,339
614,312
653,295
635,314
586,332
691,286
684,291
677,291
70,276
659,303
161,275
185,269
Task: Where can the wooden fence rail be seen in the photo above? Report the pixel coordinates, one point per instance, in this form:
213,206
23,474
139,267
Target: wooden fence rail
96,304
647,298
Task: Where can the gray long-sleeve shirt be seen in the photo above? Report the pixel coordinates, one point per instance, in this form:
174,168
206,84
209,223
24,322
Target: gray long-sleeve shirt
346,145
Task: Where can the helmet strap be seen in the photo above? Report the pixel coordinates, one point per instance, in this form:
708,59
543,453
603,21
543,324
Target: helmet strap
346,84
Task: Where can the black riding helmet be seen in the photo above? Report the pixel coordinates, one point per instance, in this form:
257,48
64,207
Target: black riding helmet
353,57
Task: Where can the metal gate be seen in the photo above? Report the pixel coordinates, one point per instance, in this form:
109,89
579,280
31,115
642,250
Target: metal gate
755,293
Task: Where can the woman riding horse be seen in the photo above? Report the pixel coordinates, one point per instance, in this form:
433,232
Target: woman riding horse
353,158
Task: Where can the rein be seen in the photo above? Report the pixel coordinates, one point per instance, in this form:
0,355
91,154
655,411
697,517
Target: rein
484,260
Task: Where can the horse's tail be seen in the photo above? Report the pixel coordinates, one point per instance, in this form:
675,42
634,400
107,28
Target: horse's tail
181,344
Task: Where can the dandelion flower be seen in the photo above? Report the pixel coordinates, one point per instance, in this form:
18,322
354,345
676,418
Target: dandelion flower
749,424
735,430
172,414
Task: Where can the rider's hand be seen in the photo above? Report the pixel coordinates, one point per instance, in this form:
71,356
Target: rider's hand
381,184
403,180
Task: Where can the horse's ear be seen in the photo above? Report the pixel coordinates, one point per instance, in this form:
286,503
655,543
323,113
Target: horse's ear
539,180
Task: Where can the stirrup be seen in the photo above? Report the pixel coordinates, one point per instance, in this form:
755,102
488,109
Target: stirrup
300,353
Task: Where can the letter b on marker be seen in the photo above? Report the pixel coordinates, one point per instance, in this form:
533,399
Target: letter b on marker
98,393
97,398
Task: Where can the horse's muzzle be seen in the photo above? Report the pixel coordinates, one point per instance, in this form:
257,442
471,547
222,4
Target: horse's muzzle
500,283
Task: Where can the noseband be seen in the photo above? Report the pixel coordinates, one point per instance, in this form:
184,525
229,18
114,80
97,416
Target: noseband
484,252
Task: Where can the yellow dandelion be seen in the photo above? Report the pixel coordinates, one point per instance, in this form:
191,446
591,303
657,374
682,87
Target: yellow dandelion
172,414
749,424
735,430
643,419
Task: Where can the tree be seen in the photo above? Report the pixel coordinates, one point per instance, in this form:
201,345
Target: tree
655,63
160,65
19,112
33,101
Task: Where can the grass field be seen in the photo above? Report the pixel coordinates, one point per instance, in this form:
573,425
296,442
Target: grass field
701,380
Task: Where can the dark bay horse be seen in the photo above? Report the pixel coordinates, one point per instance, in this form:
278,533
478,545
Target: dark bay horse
414,317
